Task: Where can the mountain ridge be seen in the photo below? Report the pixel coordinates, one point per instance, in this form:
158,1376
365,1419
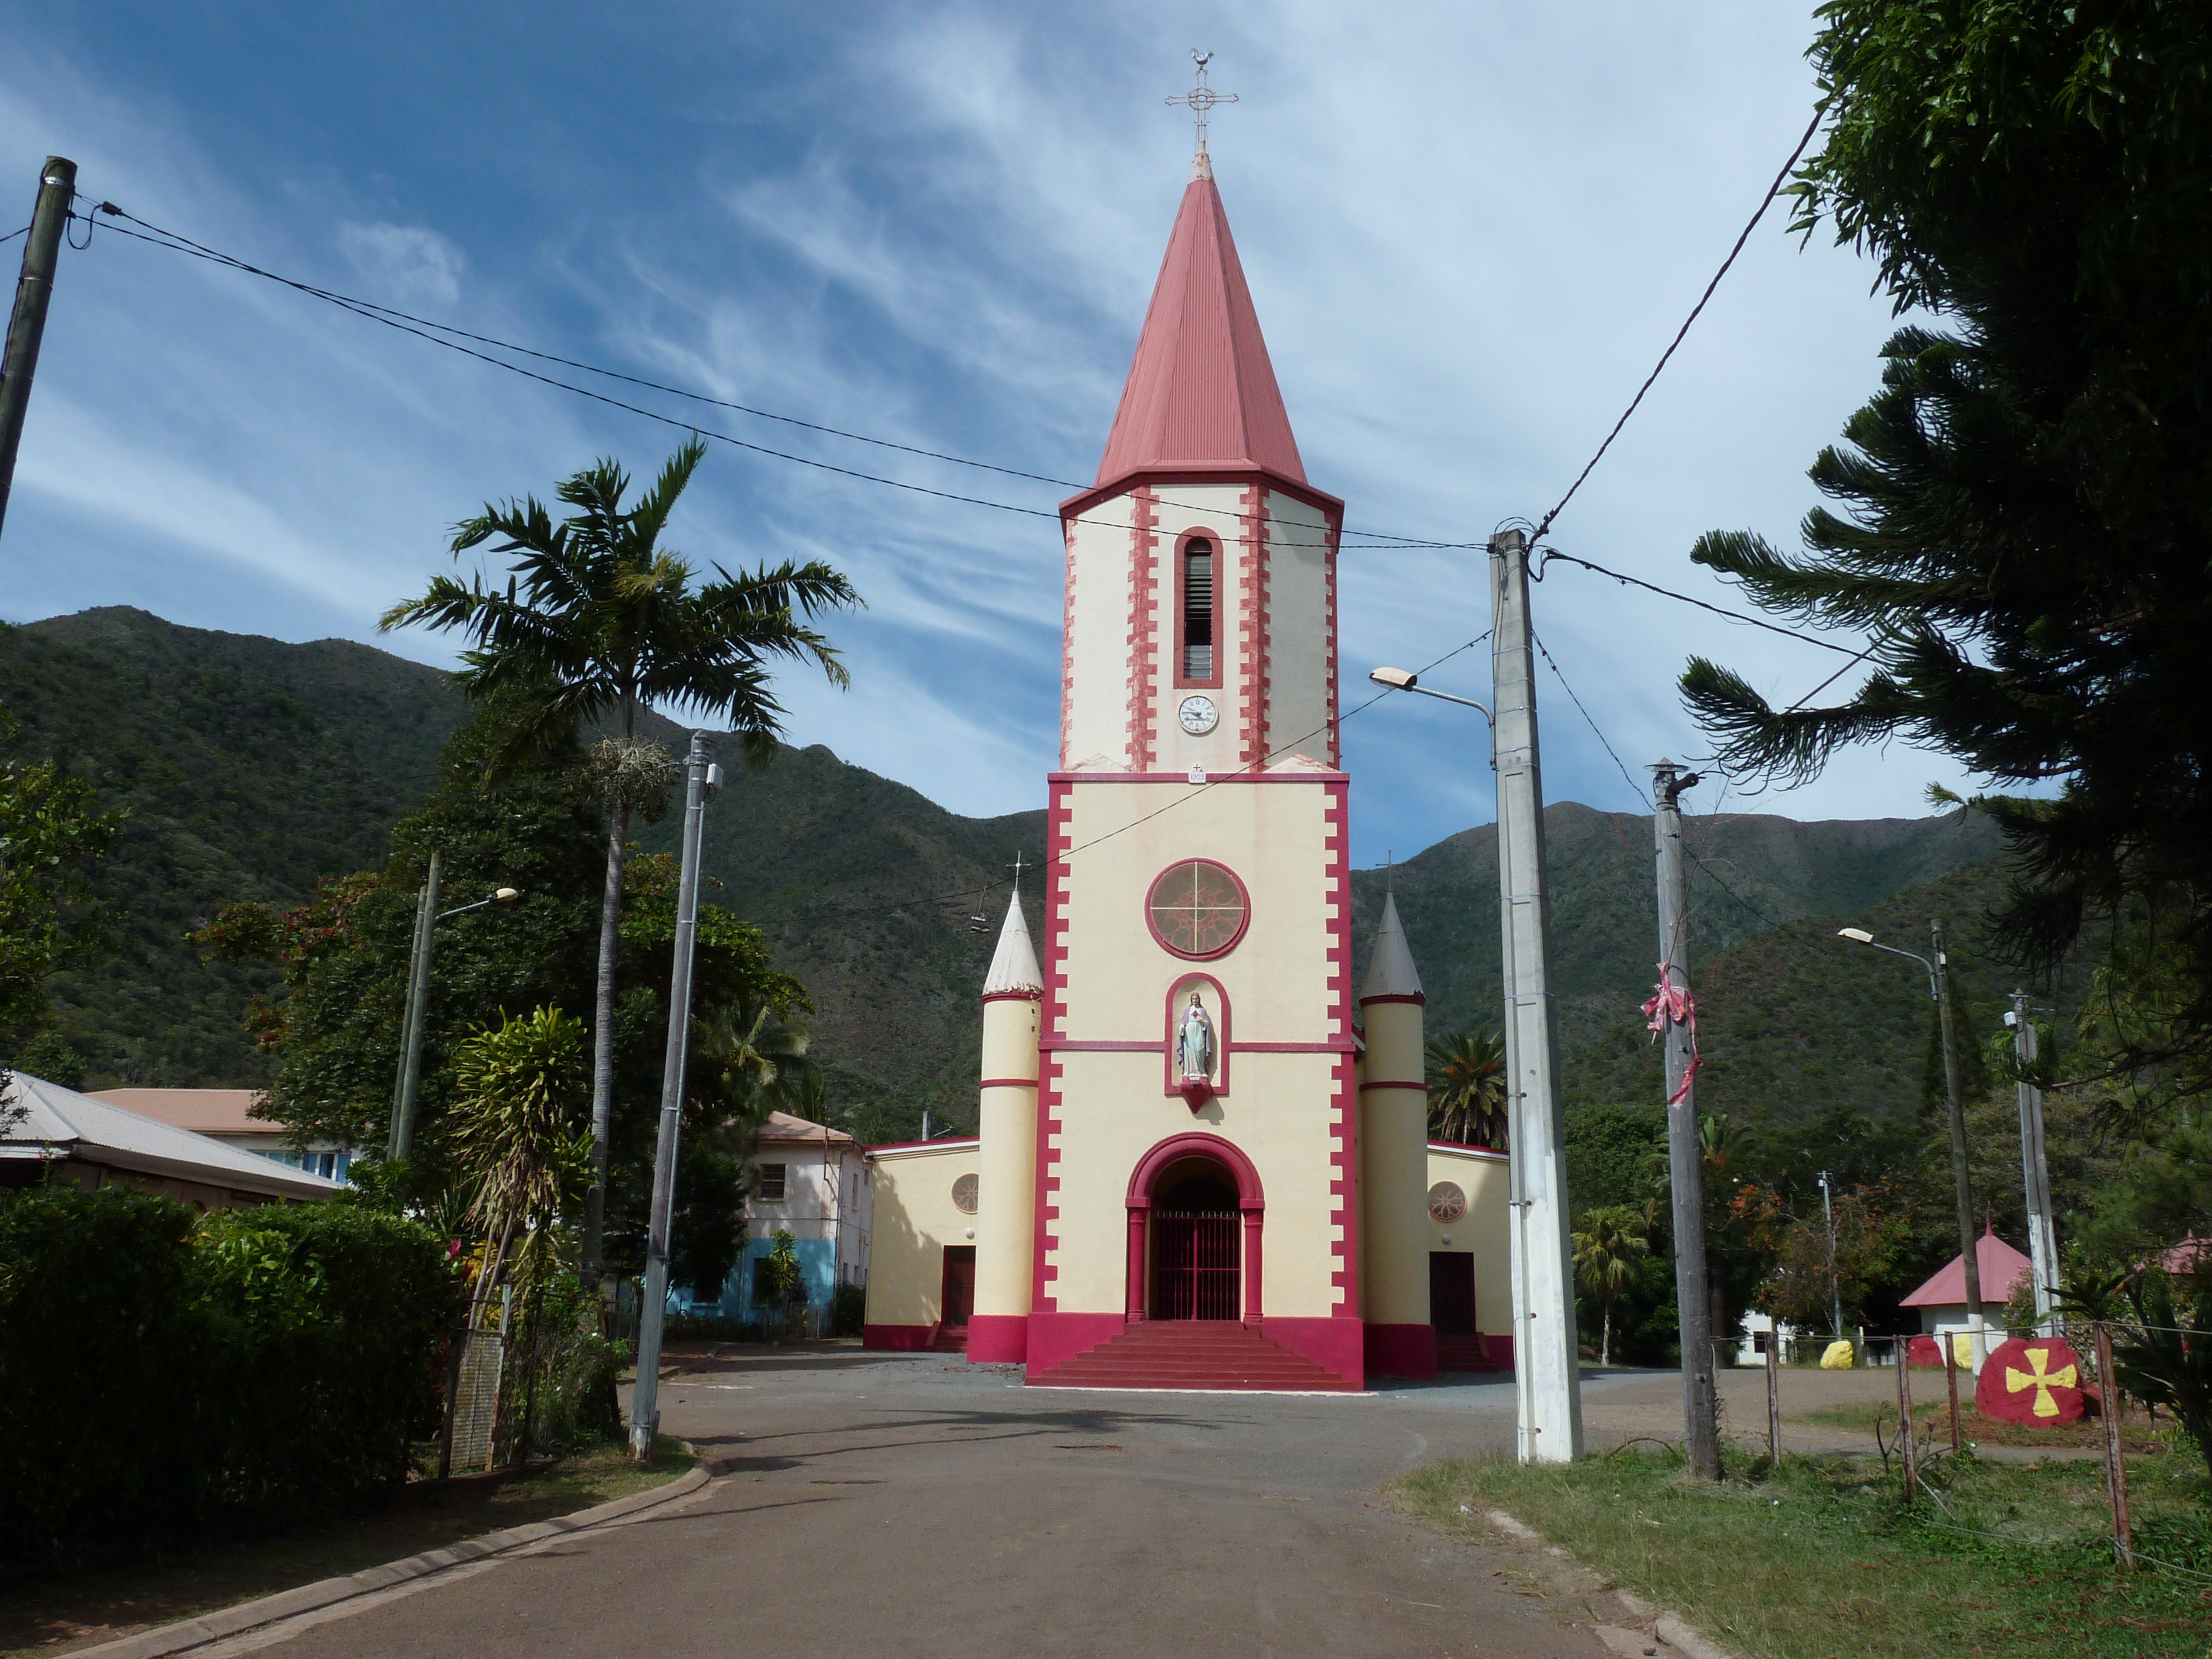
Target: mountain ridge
252,766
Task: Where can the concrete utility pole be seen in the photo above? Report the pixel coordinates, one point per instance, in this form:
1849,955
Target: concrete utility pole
1547,1367
418,1002
1685,1154
2035,1169
700,776
26,323
1962,1176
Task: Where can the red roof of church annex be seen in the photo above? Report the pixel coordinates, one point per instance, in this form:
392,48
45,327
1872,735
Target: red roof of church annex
2000,1267
1201,394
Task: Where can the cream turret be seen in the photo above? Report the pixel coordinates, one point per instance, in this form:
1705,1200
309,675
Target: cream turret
1006,1199
1394,1137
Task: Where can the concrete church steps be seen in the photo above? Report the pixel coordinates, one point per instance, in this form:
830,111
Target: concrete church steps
1191,1353
1462,1354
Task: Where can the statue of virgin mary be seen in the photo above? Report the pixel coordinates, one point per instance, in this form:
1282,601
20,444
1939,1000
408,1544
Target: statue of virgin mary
1195,1044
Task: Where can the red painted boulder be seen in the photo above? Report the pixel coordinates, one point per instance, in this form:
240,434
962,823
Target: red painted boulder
2035,1382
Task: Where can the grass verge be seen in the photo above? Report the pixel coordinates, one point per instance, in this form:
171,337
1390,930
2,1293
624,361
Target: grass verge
59,1613
1820,1557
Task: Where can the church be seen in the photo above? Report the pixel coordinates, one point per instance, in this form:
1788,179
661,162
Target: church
1202,1158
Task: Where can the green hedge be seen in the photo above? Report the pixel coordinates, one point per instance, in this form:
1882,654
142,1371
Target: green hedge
160,1373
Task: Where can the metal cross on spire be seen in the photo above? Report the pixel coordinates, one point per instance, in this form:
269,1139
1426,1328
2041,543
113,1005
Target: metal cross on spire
1199,100
1018,866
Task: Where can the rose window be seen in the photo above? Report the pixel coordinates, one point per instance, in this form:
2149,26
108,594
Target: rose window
1198,908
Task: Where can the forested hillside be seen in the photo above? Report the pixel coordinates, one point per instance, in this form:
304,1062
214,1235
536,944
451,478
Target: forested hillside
250,767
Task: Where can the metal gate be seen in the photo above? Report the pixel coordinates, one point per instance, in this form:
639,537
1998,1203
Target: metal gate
1194,1264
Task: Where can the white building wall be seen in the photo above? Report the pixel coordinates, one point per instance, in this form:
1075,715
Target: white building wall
1095,695
1301,642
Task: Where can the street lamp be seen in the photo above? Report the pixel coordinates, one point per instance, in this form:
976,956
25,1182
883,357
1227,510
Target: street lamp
1399,680
1939,989
427,917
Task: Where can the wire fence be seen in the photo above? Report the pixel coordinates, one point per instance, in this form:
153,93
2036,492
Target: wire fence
2064,1371
533,1376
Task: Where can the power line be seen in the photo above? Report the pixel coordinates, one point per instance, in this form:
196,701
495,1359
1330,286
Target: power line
1764,202
451,338
13,234
1553,553
1585,714
1180,800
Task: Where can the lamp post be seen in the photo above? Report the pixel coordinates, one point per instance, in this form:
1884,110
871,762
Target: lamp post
701,778
427,917
1835,1284
1939,990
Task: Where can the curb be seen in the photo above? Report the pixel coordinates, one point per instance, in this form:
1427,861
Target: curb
187,1634
1669,1627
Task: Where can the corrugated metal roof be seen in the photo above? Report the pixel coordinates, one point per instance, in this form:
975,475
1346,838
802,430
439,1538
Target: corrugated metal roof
782,1126
2000,1267
61,1120
1201,392
204,1111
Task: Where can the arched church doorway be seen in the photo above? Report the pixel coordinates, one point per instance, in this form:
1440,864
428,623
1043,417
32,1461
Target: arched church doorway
1196,1213
1197,1239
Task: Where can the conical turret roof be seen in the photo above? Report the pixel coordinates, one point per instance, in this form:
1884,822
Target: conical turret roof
1014,971
1390,971
1201,394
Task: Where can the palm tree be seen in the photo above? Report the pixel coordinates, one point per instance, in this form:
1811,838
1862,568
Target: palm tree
599,621
1466,1076
1610,1252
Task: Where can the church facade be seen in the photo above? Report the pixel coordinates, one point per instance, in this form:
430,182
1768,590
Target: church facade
1202,1157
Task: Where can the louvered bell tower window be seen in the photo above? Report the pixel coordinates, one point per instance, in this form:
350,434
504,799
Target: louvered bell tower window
1197,610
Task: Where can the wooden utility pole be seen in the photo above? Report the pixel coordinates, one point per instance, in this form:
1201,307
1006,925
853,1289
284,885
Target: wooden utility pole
1546,1364
26,323
1962,1178
1684,1153
644,1395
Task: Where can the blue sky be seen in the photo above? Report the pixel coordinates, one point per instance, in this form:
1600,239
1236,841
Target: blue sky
1469,230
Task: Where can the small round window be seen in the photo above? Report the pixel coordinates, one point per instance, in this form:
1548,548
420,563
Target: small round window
1446,1202
1198,908
963,1195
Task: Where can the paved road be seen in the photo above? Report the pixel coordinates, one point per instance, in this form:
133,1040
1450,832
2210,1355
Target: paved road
915,1505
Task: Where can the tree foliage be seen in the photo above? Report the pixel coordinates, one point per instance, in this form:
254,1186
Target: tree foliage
50,838
1465,1076
2024,527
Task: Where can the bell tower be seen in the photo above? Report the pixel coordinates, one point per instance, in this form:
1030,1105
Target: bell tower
1197,1162
1202,566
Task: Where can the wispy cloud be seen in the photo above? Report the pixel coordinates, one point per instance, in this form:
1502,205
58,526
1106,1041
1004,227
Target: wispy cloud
405,264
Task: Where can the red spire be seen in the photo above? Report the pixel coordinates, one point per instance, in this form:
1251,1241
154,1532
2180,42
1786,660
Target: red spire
1201,393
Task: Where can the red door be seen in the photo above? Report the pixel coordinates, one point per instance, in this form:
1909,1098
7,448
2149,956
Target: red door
959,1294
1195,1266
1451,1292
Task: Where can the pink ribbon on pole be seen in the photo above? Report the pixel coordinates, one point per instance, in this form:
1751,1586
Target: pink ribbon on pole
1673,1004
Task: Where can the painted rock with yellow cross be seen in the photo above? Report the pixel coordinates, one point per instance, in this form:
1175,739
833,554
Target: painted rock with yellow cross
2032,1380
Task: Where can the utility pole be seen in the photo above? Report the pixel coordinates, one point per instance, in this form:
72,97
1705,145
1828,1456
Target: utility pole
1835,1284
700,776
1547,1367
2035,1169
1961,1170
26,323
419,1003
1684,1155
